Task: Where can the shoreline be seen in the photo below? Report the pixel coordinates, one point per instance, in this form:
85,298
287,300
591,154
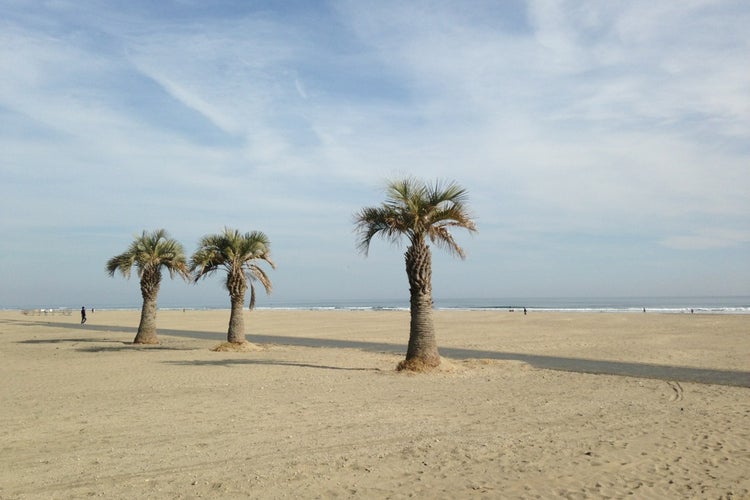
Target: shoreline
514,309
670,305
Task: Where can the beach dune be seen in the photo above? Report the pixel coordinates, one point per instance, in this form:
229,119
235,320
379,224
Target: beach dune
572,405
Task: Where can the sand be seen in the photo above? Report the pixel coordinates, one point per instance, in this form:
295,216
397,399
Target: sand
318,411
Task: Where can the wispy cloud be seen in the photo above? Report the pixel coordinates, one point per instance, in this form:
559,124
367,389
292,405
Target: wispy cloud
597,120
562,118
707,239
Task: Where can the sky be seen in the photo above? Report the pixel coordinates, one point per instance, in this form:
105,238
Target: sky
605,146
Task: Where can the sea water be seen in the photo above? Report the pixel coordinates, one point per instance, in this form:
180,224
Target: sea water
676,305
714,305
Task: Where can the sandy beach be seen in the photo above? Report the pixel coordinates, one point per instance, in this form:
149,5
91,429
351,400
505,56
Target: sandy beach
540,406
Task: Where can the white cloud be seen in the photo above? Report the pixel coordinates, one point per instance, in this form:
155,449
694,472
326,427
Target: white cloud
563,118
707,239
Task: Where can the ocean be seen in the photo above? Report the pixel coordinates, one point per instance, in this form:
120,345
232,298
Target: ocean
674,305
714,305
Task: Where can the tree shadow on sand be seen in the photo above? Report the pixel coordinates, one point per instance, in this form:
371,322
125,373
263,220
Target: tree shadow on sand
266,362
129,346
113,345
70,341
734,378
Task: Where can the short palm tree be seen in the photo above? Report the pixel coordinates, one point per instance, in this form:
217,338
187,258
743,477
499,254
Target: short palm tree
418,211
239,255
150,253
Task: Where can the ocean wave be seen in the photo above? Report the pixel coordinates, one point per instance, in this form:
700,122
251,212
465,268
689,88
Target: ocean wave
660,305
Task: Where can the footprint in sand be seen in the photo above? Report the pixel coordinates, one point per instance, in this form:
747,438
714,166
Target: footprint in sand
678,392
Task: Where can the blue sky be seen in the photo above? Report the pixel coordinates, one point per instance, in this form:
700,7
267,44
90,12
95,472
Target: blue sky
605,145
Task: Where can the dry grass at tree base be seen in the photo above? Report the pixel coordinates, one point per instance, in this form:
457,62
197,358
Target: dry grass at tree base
237,347
416,365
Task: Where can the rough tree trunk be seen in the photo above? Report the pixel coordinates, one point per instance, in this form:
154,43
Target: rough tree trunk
147,327
422,352
237,287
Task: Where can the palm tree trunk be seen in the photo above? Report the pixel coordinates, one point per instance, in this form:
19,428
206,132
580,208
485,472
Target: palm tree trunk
237,285
422,352
147,327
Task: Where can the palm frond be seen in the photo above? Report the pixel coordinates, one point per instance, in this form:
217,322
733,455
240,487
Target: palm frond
255,273
251,306
123,263
416,210
234,252
151,250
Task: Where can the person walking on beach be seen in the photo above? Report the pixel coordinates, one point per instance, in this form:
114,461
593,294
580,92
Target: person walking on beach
83,314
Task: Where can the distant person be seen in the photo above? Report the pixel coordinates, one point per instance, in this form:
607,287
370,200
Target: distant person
83,314
524,311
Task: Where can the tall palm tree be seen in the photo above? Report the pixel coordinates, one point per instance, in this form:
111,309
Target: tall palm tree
238,254
418,211
149,253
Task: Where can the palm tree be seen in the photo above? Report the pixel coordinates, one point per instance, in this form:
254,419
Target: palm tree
418,211
238,254
149,253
